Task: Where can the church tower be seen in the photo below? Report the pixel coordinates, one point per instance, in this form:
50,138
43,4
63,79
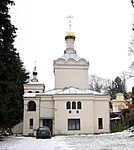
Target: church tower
70,69
34,86
34,79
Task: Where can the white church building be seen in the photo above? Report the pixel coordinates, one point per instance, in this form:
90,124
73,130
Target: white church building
69,108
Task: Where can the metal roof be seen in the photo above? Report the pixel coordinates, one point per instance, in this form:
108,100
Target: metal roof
72,90
73,56
66,91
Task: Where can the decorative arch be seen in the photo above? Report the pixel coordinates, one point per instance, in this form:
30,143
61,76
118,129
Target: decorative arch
59,61
73,105
78,105
31,106
68,105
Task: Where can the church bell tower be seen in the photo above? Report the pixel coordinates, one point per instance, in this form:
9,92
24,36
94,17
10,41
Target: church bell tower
70,69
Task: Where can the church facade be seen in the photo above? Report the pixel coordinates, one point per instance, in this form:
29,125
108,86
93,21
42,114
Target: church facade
69,108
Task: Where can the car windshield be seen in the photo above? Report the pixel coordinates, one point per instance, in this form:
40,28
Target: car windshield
44,129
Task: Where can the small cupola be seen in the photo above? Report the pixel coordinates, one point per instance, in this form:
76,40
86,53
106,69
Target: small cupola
70,34
70,38
34,79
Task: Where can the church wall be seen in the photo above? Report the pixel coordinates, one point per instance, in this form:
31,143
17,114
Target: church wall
85,114
88,115
87,124
27,115
71,76
34,88
101,110
54,107
47,107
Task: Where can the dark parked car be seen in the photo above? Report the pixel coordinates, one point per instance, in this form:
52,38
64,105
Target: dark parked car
43,132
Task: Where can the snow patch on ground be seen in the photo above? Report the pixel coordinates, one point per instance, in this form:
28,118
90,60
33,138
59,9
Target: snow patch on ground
114,141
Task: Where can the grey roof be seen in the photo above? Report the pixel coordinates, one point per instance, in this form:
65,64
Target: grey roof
71,90
66,91
73,56
34,83
29,94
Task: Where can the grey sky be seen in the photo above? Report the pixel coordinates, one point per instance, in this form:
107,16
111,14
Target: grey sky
102,27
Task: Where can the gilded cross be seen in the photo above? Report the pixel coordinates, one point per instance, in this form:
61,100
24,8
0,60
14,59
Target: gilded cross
70,17
35,66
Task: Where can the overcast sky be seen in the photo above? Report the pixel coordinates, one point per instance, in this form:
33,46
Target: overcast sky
102,27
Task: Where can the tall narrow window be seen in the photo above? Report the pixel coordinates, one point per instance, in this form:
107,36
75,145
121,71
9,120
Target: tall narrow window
100,123
73,124
31,106
68,105
79,105
31,123
73,105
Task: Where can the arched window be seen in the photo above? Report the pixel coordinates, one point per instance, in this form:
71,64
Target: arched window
68,105
29,91
31,106
79,105
37,92
73,105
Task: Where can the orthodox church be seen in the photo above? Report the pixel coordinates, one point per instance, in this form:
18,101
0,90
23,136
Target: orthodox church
69,108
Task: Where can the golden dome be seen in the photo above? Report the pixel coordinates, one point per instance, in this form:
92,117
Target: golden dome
69,34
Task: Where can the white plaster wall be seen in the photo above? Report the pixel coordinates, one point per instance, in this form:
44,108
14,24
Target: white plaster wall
101,110
85,115
30,114
93,107
47,107
87,118
76,77
34,88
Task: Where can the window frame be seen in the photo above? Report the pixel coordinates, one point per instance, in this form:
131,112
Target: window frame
74,124
68,105
31,106
31,123
100,123
79,106
73,105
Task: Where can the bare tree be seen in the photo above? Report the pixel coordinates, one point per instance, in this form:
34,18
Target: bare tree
99,84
